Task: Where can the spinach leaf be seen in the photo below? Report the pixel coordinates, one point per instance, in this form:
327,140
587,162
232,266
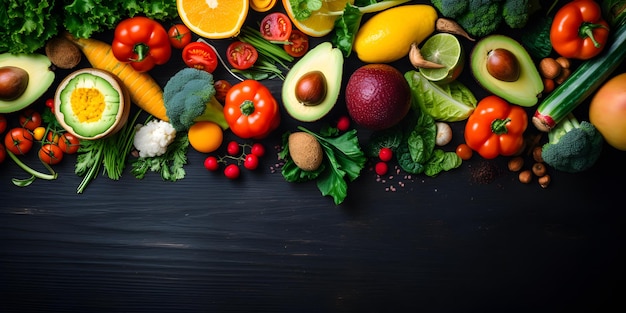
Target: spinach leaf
346,27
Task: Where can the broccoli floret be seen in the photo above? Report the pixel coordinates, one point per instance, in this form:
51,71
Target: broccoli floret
572,146
482,17
189,97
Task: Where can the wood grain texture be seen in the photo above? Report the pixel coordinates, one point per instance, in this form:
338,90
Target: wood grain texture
260,244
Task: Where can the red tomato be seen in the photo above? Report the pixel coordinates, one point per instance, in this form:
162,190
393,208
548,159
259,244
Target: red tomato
201,56
251,161
299,44
3,153
53,137
69,143
30,119
18,140
3,123
276,27
241,55
221,89
180,35
50,154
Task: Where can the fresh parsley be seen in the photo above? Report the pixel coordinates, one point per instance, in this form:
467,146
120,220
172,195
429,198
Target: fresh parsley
169,165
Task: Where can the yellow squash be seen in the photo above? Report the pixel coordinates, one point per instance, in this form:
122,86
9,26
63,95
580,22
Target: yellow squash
387,36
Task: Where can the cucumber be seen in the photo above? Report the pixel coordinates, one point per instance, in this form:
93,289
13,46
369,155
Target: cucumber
583,82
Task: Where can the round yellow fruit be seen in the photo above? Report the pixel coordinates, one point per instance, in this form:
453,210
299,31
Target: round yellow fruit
607,111
205,137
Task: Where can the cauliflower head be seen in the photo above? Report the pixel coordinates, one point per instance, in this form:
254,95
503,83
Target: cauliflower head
153,138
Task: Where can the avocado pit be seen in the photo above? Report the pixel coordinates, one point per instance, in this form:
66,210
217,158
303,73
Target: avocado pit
503,65
311,88
13,82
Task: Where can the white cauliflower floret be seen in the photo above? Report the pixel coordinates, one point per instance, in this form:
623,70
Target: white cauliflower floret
153,138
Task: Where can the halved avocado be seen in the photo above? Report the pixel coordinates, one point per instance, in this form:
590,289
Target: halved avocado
40,77
526,90
325,59
92,103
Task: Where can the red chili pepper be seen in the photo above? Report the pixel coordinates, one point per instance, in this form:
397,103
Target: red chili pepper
251,110
141,41
578,30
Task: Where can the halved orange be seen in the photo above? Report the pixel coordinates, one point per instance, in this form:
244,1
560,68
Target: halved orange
213,19
320,23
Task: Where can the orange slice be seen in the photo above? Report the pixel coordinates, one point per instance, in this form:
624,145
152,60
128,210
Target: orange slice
213,19
320,23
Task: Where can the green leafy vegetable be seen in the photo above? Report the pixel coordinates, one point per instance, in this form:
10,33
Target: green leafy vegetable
26,25
451,102
388,138
170,165
343,161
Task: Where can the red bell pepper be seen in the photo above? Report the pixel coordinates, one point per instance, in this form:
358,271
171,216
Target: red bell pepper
141,41
578,30
496,128
251,110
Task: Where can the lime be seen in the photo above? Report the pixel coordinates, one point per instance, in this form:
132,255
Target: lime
444,49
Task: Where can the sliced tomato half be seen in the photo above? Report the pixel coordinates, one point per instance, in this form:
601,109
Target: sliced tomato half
201,56
276,26
298,43
241,55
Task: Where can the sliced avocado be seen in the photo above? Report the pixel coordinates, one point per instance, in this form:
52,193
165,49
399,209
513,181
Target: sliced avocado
40,77
325,59
526,90
91,104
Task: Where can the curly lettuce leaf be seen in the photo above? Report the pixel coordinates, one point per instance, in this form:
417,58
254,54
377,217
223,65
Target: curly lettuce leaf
27,25
451,102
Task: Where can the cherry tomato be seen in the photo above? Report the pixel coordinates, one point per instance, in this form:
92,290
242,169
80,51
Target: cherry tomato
3,123
299,44
385,154
39,132
241,55
69,143
53,137
232,171
232,148
464,152
18,140
201,56
221,89
258,149
30,119
211,163
251,162
343,124
180,35
276,26
50,154
381,168
50,104
3,153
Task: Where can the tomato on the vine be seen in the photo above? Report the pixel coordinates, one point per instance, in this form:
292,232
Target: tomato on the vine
3,123
276,26
30,119
232,148
201,56
211,163
18,140
50,154
180,35
53,137
251,162
69,143
258,149
298,43
39,132
232,171
241,55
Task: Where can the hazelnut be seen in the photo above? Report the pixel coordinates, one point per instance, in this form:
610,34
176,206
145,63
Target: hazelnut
549,68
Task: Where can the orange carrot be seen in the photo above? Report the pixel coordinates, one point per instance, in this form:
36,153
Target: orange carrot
143,89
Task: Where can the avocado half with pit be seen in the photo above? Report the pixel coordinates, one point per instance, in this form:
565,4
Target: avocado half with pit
317,77
91,104
525,90
30,73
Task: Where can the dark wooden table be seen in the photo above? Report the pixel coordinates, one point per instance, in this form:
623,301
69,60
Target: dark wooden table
208,244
